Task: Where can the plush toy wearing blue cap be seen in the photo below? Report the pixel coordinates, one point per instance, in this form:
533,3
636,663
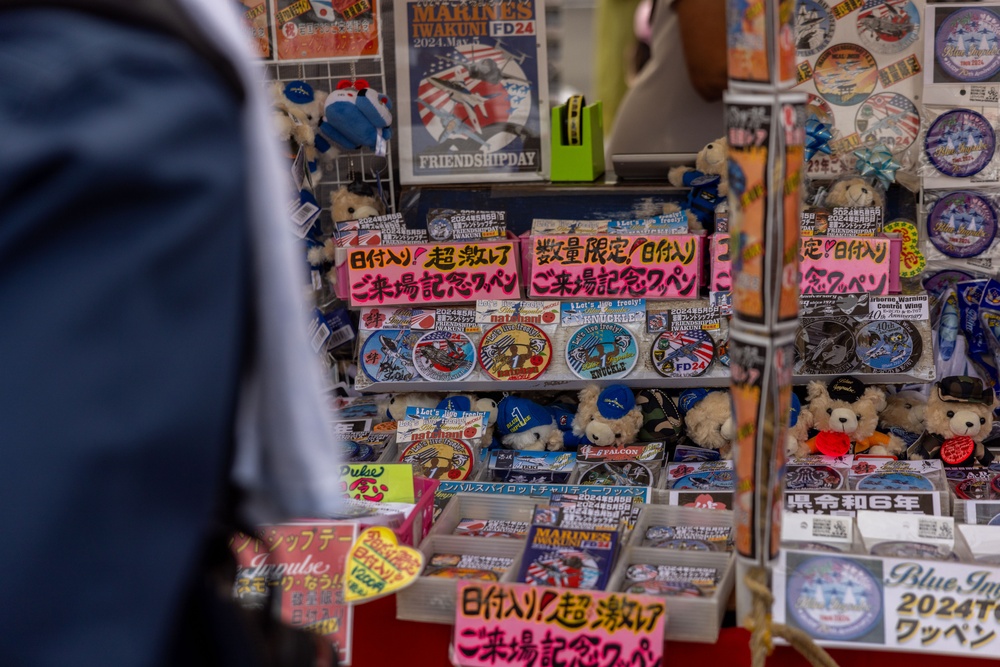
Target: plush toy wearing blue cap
607,417
524,424
708,419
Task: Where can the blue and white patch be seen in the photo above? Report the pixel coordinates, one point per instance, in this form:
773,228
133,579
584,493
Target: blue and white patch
682,353
887,346
444,356
602,351
387,355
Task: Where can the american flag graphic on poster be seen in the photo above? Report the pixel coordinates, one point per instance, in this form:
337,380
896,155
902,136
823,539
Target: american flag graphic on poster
475,78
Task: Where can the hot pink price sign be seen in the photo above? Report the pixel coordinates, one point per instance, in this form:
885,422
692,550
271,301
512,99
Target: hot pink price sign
838,265
722,278
600,265
438,273
522,625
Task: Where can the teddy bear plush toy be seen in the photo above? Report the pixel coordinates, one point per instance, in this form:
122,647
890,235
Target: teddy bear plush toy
708,419
356,116
709,183
845,414
298,111
607,417
354,201
854,192
524,424
904,415
959,418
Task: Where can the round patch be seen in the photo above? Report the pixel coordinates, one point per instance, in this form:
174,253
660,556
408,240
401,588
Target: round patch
912,550
895,481
960,143
348,450
813,477
973,489
387,355
682,353
713,480
641,572
889,119
825,347
966,44
995,521
566,568
601,351
819,108
364,453
444,356
834,598
811,546
515,351
962,224
845,74
957,449
618,473
995,485
814,26
887,346
671,588
440,458
439,227
937,283
888,26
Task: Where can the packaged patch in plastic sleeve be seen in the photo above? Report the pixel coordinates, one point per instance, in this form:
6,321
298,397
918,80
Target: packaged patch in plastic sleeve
958,146
961,224
887,474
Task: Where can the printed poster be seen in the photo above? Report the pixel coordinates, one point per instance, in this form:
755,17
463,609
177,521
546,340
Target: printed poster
257,24
473,91
859,61
325,29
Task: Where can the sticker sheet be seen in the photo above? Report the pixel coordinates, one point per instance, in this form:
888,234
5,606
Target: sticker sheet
859,61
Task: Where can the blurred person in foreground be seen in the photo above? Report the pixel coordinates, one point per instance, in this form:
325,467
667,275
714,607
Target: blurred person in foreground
153,344
675,104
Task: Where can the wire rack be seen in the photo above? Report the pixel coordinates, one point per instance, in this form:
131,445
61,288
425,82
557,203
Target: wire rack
324,76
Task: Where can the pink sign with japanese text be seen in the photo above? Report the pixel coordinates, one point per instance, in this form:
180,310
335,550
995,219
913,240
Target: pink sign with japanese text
522,622
298,570
607,267
722,277
839,265
434,273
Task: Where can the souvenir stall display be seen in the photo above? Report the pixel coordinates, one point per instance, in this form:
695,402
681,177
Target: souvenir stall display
772,395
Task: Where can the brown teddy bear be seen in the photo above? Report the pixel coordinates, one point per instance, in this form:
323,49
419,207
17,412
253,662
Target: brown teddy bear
708,419
854,192
709,183
351,202
959,418
845,414
904,415
607,417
